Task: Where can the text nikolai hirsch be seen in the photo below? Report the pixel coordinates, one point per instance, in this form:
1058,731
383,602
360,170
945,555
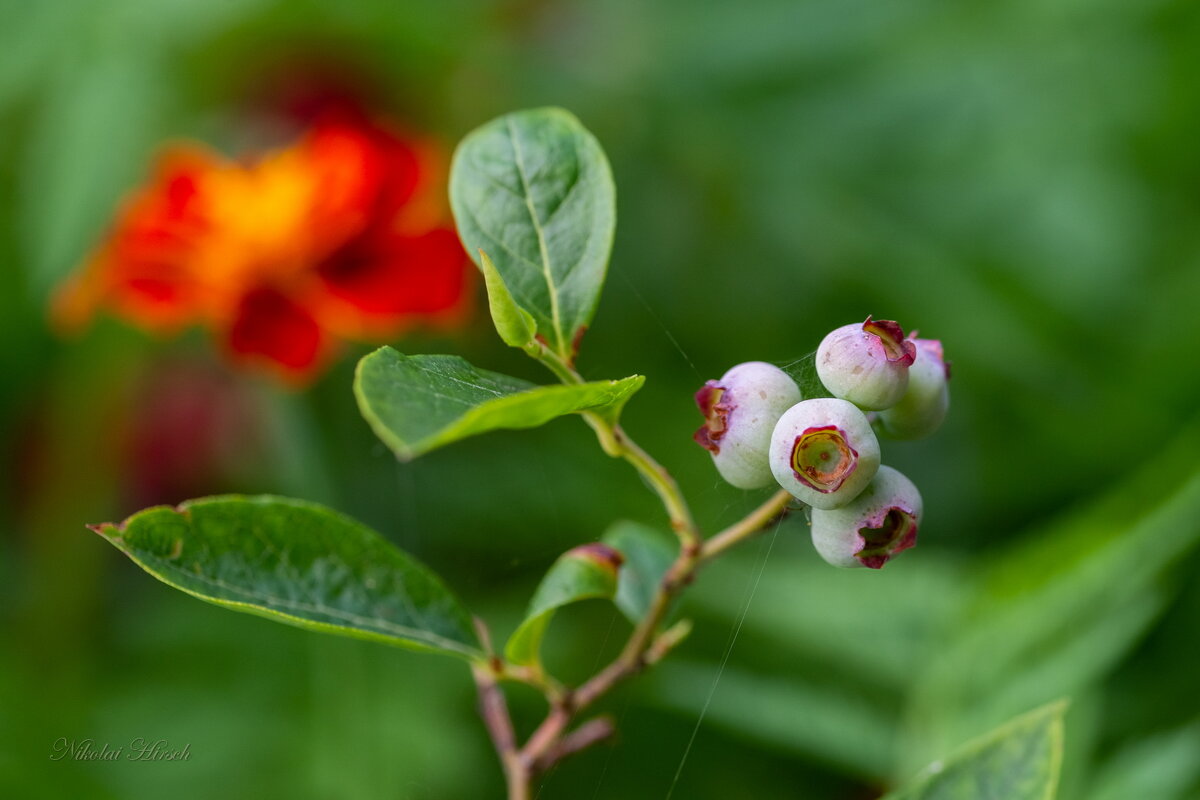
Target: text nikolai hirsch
139,749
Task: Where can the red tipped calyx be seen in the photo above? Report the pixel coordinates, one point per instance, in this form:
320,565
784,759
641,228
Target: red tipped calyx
892,532
896,348
822,458
598,553
716,416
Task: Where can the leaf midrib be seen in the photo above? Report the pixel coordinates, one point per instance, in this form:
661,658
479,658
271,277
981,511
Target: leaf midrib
547,272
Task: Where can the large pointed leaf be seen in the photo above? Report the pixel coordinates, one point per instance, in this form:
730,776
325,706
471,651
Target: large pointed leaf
1058,611
1018,761
838,725
534,191
298,563
418,403
587,572
845,646
1164,766
832,617
93,126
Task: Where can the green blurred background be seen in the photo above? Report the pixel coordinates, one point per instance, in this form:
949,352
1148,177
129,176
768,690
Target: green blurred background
1020,180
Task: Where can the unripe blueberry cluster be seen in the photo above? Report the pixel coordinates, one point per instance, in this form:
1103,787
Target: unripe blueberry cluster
824,450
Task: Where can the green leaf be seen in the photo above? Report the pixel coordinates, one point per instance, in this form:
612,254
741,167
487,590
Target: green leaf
839,668
1018,761
839,725
586,572
95,123
418,403
648,554
832,618
297,563
1057,612
534,190
1164,766
516,326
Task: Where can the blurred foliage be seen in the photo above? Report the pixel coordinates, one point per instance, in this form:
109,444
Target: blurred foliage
1019,180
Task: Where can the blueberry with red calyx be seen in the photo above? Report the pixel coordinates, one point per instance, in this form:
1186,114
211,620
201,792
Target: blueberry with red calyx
872,528
824,452
740,411
866,364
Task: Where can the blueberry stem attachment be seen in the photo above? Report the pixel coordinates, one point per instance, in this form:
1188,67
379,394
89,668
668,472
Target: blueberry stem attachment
753,523
618,444
553,739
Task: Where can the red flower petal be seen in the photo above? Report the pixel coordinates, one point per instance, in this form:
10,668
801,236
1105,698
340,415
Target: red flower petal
142,271
271,327
387,276
341,233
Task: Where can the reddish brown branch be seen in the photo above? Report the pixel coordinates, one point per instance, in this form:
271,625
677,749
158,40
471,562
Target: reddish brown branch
589,733
551,741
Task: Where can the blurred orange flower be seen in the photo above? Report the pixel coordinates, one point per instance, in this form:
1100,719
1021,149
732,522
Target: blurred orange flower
342,235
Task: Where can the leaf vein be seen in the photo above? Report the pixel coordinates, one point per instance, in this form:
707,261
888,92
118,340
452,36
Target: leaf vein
547,268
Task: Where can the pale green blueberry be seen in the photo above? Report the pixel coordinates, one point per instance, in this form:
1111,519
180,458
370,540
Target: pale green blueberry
740,411
874,527
866,364
923,407
824,452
